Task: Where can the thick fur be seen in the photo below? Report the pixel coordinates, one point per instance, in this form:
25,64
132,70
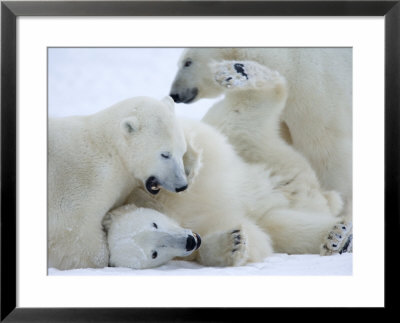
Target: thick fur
250,116
238,208
94,162
317,118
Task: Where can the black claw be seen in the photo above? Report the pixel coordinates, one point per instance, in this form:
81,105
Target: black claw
235,231
228,79
234,250
346,245
239,68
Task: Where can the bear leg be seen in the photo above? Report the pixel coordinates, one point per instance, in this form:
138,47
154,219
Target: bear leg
228,248
247,75
242,244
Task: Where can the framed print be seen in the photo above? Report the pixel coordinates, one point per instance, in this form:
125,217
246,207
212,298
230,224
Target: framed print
36,36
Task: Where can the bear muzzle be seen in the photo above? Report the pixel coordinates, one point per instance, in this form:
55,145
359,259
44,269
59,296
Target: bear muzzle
186,96
193,242
181,189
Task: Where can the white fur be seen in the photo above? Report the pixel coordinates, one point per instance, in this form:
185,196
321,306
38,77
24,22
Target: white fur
249,116
143,238
94,162
317,118
237,207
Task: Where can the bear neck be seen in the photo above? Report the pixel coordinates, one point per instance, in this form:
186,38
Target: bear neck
107,145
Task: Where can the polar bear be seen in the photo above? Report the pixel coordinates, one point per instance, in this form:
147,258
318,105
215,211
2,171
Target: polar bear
96,161
317,119
141,238
249,115
239,209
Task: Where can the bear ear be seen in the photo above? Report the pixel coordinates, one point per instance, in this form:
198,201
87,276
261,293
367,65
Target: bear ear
129,125
169,102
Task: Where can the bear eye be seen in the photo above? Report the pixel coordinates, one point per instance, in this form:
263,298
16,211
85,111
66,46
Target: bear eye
154,255
155,225
188,63
166,155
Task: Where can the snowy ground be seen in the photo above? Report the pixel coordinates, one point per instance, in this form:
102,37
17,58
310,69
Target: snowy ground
278,264
85,80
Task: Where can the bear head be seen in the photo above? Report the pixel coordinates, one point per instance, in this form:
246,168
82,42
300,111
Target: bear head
150,142
194,79
143,238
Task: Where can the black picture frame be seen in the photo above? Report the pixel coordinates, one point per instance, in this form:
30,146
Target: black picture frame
11,10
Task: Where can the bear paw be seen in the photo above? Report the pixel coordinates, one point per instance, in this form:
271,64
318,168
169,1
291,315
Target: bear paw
230,74
224,249
237,243
339,240
248,75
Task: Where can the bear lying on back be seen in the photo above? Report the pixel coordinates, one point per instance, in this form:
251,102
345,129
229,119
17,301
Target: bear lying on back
238,208
317,118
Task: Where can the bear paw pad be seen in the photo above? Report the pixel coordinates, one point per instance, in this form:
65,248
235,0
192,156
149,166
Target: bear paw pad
237,254
339,240
230,74
226,248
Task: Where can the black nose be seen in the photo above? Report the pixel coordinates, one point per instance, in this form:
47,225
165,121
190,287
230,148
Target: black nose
190,243
180,189
175,97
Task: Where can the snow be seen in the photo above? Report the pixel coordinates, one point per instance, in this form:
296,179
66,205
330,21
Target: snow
83,81
277,264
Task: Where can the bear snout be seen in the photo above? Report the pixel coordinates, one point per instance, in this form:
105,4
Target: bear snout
175,97
190,243
186,96
198,239
193,242
180,189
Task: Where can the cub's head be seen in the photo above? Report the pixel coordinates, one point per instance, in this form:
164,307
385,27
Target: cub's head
143,238
194,79
151,143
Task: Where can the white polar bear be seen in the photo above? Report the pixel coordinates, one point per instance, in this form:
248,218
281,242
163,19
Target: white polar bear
317,119
238,208
94,163
249,115
143,238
